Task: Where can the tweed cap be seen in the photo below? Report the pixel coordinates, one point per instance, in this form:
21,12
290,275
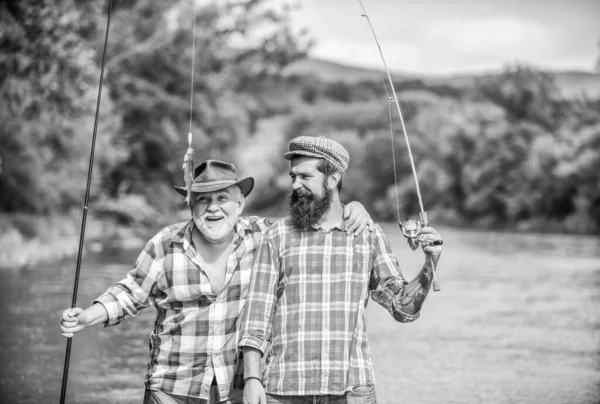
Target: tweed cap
320,147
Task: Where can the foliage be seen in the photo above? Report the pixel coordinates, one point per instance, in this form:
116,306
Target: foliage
47,80
512,154
506,151
150,68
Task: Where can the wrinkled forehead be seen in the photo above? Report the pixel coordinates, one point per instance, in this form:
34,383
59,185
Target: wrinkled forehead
233,191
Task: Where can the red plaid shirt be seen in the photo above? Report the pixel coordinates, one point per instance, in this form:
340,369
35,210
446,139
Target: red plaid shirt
196,330
306,306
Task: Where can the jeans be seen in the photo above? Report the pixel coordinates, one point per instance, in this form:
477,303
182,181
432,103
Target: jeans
358,395
159,397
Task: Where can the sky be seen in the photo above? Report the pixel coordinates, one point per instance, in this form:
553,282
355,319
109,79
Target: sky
455,36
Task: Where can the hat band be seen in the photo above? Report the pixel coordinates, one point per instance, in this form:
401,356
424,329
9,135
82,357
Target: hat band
211,183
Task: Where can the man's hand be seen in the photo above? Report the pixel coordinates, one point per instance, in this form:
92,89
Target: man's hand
72,321
356,219
427,236
254,392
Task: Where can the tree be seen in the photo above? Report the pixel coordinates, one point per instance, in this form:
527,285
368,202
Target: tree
526,95
47,80
236,45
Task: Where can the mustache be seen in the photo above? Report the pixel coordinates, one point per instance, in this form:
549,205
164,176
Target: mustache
296,194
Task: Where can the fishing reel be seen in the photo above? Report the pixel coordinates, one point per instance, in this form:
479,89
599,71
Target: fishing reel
410,229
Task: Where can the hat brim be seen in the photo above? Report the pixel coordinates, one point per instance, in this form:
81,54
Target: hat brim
290,155
245,185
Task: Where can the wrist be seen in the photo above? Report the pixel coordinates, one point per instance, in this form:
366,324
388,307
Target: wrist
247,379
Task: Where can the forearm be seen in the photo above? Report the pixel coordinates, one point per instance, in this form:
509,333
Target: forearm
95,314
414,293
252,358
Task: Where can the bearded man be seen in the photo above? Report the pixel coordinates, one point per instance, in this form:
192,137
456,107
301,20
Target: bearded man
309,290
196,274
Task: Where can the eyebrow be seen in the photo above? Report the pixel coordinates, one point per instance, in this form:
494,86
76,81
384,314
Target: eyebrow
217,193
292,172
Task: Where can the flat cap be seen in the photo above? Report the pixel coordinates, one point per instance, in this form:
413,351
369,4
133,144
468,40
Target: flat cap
320,147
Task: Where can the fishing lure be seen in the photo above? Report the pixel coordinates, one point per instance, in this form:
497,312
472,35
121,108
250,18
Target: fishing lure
188,170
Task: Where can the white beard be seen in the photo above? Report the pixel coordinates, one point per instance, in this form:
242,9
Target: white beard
215,231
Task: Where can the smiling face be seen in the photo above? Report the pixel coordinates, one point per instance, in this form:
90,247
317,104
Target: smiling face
312,191
215,213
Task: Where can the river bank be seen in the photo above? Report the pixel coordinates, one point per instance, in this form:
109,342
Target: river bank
30,240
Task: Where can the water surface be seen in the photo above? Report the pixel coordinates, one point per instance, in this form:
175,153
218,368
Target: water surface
517,321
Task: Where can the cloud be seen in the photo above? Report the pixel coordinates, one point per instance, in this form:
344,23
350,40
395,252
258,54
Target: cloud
494,36
447,37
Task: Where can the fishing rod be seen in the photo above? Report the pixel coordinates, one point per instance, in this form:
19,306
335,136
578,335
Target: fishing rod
409,227
65,378
188,158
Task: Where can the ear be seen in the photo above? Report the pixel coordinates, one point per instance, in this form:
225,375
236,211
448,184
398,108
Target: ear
240,204
333,180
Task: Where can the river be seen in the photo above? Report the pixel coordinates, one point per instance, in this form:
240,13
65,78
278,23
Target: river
517,321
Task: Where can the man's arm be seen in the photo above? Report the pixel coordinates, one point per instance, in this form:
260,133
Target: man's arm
388,287
125,299
75,320
416,291
257,317
254,392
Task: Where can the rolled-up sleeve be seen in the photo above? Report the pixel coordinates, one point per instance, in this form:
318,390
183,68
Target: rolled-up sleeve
131,294
386,282
257,316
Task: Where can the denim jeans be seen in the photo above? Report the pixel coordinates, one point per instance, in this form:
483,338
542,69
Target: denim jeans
358,395
159,397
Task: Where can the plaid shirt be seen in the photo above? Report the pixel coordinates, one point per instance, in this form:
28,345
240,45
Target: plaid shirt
196,330
306,306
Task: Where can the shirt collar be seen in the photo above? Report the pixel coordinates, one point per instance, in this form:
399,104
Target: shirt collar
337,226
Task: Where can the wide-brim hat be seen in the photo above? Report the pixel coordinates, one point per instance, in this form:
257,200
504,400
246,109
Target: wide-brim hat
214,175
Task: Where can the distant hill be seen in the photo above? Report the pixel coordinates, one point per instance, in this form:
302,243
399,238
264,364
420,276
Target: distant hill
571,83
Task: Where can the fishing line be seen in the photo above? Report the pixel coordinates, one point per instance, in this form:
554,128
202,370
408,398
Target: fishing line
192,80
414,226
63,389
390,99
412,163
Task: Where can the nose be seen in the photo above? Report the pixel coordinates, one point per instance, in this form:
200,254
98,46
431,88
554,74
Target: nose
213,207
296,184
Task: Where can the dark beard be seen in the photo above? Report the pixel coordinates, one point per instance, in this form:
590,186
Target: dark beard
307,211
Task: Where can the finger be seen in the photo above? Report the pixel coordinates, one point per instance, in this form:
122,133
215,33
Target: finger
68,324
346,213
432,250
68,329
361,228
69,314
352,226
371,224
428,230
431,242
67,335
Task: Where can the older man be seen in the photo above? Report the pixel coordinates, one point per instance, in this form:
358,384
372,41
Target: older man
196,274
309,290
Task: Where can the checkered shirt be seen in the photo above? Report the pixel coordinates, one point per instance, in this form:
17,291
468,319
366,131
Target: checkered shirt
196,331
320,147
306,307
